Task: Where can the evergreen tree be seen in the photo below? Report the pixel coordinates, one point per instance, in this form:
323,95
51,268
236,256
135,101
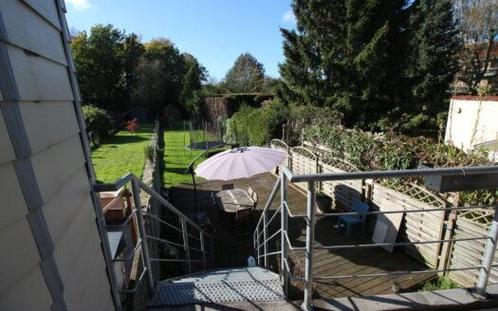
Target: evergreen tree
381,64
344,55
246,75
434,46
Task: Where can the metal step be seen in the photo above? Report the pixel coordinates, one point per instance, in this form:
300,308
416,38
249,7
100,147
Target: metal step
236,285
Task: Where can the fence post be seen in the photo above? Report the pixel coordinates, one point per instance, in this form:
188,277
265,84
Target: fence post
186,247
265,236
283,231
135,188
489,253
310,239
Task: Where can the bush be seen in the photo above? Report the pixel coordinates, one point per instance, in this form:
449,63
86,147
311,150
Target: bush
96,120
388,151
439,283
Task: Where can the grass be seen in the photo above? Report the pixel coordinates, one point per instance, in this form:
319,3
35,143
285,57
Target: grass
121,154
177,158
439,283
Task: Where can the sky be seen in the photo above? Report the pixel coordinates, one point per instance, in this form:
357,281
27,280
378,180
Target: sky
214,31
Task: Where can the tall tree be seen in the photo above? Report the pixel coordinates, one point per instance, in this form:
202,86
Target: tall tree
195,74
478,22
246,75
434,46
343,54
132,50
99,63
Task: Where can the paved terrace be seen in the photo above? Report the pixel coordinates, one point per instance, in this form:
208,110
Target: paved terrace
233,244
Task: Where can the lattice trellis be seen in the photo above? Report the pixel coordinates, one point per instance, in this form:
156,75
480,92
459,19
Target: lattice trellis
341,164
481,217
282,146
279,144
415,191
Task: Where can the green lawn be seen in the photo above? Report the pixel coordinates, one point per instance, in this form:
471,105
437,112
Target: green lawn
177,158
121,154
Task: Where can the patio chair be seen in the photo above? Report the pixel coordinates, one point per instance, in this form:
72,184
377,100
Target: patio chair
226,186
253,196
362,209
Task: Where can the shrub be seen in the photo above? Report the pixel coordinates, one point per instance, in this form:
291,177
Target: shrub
387,151
439,283
96,120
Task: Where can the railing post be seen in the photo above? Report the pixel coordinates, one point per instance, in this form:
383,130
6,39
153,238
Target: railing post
203,249
258,246
135,188
265,236
489,253
283,226
186,247
310,240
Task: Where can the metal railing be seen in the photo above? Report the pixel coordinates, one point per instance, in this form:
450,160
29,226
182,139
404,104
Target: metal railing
141,219
262,235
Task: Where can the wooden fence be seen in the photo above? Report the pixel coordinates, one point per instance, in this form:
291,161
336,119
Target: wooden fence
388,195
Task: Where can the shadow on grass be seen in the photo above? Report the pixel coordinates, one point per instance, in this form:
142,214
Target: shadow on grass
124,139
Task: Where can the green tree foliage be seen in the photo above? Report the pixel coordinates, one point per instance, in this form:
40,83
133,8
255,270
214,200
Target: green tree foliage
104,61
247,75
167,77
195,74
96,120
432,65
354,56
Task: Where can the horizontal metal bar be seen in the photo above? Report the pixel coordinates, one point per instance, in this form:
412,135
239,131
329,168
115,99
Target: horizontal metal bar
163,222
268,223
170,206
176,260
354,276
422,172
273,193
349,246
115,185
269,254
193,237
427,210
273,235
164,241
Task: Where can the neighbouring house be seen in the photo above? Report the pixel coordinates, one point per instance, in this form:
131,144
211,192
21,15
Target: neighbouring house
472,122
53,252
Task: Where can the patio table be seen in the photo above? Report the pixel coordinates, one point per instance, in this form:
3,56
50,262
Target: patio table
234,200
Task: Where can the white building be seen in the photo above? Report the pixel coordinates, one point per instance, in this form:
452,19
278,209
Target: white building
473,123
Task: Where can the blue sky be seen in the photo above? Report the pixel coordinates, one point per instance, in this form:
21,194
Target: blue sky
215,31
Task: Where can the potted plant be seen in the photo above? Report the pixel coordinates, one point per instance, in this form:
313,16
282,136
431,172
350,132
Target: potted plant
323,202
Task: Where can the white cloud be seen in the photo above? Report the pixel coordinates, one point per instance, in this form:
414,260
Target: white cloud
80,5
289,17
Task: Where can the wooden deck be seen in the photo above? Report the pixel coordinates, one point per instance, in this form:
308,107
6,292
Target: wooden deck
233,244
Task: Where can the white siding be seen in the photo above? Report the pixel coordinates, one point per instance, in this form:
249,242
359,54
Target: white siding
29,293
61,210
11,196
47,9
39,79
34,48
6,152
19,253
49,123
55,165
27,29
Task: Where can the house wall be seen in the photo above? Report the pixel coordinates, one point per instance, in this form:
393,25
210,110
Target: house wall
471,121
52,255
